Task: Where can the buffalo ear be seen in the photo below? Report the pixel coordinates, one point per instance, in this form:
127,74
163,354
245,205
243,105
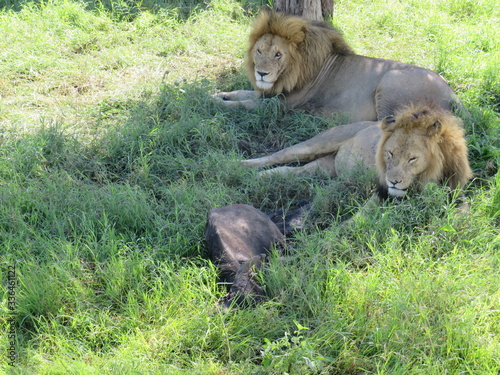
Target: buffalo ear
434,128
387,123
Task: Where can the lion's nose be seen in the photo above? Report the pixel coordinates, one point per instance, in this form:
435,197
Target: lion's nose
395,182
262,74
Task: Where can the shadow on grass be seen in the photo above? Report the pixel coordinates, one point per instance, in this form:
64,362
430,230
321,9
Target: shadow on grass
150,179
153,176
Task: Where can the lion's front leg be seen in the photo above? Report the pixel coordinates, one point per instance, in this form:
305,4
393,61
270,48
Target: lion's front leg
238,95
239,98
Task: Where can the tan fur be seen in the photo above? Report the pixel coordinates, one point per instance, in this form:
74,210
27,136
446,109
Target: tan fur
422,143
311,65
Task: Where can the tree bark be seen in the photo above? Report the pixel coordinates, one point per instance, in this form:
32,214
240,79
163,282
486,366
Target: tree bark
327,9
315,10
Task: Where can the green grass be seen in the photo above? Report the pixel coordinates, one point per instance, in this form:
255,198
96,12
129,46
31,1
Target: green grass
112,152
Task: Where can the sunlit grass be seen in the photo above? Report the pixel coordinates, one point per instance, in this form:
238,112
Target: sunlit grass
112,152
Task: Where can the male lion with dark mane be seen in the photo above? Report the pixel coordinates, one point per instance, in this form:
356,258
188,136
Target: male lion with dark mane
422,143
310,63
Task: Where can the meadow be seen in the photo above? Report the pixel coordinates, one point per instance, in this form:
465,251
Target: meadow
112,151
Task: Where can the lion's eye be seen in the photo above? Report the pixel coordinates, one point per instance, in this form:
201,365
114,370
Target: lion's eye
390,154
412,160
278,55
259,51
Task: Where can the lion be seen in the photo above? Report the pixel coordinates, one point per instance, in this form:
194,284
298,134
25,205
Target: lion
311,66
422,143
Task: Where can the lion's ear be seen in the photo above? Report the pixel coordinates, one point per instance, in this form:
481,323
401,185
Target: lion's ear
265,16
434,129
296,33
292,29
298,37
387,123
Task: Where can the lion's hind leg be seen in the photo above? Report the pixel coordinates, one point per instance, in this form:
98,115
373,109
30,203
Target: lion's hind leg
300,153
323,144
420,86
325,164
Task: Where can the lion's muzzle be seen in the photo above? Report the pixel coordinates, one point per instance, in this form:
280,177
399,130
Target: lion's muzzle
395,189
262,80
395,192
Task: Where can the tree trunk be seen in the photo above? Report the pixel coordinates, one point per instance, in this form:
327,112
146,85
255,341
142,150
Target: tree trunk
316,10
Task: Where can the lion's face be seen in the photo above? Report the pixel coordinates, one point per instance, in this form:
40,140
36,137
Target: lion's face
270,57
412,150
287,52
406,159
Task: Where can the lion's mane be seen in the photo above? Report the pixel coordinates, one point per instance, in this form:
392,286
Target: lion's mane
309,44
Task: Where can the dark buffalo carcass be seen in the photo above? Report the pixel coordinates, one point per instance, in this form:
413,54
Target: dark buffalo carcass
238,238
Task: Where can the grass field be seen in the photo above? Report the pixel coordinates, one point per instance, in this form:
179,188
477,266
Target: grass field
112,152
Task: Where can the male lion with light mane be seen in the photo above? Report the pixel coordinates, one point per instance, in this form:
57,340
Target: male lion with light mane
310,63
422,143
